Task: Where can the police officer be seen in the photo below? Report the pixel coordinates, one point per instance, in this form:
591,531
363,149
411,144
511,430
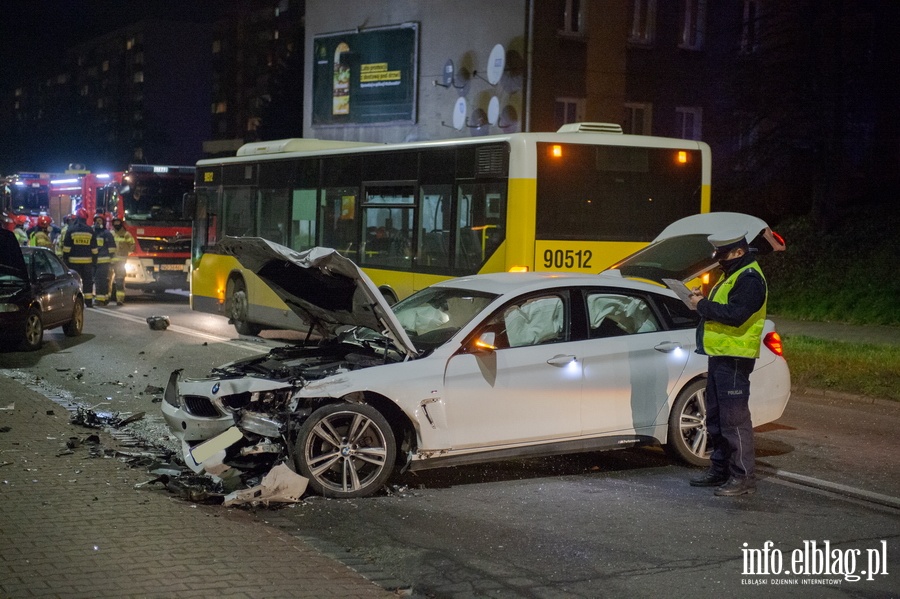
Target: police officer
80,253
731,325
41,235
106,249
124,246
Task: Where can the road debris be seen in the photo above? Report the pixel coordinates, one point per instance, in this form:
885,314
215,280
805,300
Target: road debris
158,323
280,485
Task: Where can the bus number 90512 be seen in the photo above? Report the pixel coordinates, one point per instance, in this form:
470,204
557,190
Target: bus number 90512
567,258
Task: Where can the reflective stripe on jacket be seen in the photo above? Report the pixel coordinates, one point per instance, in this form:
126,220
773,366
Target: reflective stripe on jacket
106,246
740,341
80,244
124,245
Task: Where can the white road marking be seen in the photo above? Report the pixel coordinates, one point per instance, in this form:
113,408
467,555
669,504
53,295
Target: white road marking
246,345
825,485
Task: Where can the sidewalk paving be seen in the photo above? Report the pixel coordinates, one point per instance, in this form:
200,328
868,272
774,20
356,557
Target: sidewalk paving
72,525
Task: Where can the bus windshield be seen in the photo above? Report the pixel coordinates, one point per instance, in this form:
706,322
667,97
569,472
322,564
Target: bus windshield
153,197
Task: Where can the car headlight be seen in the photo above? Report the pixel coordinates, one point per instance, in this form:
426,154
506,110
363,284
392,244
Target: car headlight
8,308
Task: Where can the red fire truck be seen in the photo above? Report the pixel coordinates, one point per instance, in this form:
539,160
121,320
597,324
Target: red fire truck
25,194
148,198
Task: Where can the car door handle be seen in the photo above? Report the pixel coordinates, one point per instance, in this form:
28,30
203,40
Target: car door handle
668,347
561,360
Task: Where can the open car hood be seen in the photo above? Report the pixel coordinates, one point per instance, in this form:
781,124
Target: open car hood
682,251
325,289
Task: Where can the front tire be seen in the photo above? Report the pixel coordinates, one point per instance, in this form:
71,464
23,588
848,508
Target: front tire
688,439
346,450
239,310
33,330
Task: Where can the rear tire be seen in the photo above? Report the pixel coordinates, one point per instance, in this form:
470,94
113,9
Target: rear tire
688,439
74,327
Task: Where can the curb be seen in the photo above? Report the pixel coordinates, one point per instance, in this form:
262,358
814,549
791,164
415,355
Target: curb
824,485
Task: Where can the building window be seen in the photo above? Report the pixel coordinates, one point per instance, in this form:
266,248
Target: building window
750,31
139,58
129,43
105,66
568,110
139,77
690,122
220,107
643,22
217,46
571,17
694,25
638,118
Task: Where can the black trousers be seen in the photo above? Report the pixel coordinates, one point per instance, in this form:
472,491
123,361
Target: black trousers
87,280
728,416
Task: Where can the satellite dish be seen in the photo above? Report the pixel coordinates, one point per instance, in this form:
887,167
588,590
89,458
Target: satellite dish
496,64
493,110
448,72
459,114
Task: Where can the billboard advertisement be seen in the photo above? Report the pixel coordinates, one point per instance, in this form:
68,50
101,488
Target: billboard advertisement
362,77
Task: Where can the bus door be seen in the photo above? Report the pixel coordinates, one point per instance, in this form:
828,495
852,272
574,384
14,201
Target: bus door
480,226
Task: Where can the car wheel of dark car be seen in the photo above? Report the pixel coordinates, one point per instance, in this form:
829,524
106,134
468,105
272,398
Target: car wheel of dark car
33,334
240,308
345,450
688,439
73,327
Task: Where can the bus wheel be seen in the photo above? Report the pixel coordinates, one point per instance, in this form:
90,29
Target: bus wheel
240,309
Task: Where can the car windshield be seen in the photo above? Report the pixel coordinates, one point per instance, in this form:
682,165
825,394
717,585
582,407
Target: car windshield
432,316
10,275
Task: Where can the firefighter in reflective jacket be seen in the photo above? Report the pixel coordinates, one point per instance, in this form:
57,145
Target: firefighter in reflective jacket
21,235
124,246
106,249
80,253
41,235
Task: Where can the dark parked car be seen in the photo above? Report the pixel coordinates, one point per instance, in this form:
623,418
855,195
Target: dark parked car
43,296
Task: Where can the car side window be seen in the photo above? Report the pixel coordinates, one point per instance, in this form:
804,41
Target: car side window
41,264
56,266
614,314
535,321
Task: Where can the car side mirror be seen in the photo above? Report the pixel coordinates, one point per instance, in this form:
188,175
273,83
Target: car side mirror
485,342
46,277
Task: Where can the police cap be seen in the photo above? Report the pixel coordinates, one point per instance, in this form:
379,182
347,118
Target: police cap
728,240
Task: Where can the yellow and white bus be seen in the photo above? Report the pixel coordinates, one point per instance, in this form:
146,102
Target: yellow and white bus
412,214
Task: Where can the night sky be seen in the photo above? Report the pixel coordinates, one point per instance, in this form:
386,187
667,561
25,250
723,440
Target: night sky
36,32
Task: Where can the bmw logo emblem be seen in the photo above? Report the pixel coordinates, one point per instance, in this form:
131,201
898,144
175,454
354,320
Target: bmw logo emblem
215,388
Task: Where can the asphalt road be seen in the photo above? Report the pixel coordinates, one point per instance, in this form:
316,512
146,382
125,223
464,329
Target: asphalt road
588,525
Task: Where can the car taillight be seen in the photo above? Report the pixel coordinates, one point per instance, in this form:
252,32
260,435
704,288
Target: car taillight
773,342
